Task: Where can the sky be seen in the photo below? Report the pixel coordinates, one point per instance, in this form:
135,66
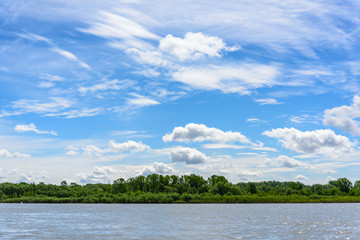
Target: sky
91,91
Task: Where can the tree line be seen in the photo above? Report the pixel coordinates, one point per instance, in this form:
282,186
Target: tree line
192,188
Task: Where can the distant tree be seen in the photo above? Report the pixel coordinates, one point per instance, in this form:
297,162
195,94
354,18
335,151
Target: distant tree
214,179
119,186
343,184
64,184
251,188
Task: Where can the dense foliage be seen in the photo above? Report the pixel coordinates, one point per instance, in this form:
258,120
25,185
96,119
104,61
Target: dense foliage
181,189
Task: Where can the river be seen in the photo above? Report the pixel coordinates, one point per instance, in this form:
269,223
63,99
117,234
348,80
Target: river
180,221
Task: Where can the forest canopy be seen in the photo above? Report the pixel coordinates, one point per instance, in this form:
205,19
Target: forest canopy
192,188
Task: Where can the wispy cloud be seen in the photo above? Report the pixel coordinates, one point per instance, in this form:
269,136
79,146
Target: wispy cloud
113,26
35,106
106,85
140,101
34,37
241,78
267,101
32,128
71,57
76,113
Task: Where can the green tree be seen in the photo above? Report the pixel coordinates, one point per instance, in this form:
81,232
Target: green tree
251,188
343,184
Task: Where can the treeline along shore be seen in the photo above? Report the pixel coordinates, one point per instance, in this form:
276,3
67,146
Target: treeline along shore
192,188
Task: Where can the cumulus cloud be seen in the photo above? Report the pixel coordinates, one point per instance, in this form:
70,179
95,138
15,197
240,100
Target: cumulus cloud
193,132
319,141
159,168
127,146
193,46
288,162
98,175
240,78
32,128
92,150
187,155
6,154
344,117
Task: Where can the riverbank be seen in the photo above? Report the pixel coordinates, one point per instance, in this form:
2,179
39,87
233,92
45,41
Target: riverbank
184,198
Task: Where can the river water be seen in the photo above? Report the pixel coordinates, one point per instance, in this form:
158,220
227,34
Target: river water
180,221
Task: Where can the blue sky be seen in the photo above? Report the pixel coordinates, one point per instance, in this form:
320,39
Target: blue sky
96,90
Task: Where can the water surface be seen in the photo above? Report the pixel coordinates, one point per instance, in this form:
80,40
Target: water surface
180,221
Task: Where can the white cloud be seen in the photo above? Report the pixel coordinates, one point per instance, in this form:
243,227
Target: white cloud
70,56
32,128
199,133
159,168
253,120
46,84
71,153
148,57
319,141
287,162
305,118
98,175
301,177
193,46
329,178
266,101
92,150
187,155
247,174
52,78
34,37
114,147
141,101
240,78
256,147
127,146
344,117
76,113
107,85
16,175
35,106
112,26
7,154
148,72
